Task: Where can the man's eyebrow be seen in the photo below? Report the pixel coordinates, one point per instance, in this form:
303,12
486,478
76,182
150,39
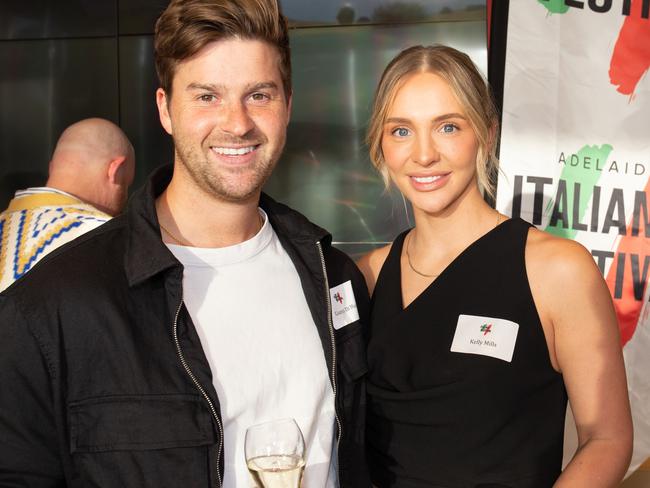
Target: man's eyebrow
402,120
215,87
262,85
202,86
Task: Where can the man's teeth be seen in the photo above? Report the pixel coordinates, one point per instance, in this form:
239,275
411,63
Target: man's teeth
426,179
231,151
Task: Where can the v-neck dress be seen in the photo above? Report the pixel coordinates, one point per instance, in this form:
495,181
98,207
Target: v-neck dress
448,407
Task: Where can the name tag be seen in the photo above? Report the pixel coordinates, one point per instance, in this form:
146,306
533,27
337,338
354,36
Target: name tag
487,336
344,306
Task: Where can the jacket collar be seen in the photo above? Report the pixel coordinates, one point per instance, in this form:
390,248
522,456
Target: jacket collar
292,225
147,255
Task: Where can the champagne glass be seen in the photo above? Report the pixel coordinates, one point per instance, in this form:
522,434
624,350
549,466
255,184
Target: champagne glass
275,454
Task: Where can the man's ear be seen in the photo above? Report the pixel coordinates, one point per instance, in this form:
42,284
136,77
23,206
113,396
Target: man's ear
116,169
163,110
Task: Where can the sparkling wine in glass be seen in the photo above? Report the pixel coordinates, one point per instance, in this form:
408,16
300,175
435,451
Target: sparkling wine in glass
275,454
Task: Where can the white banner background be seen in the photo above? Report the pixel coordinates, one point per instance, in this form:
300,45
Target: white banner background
559,101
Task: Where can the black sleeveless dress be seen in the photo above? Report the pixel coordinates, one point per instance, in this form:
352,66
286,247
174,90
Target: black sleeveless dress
443,418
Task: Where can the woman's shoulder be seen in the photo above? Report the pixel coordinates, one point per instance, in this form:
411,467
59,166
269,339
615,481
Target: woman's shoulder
562,272
561,256
371,263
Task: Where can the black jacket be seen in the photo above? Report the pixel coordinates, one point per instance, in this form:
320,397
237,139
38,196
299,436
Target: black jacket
103,381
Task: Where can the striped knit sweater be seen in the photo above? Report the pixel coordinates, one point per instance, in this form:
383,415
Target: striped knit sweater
37,221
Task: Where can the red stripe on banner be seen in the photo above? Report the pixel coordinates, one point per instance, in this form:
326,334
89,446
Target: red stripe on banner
489,21
631,56
631,253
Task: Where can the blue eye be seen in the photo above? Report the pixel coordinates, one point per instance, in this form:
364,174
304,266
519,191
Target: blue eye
449,128
400,132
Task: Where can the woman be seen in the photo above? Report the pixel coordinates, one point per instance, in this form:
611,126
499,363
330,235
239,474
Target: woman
481,325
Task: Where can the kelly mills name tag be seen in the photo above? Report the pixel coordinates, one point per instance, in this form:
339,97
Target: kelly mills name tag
344,306
487,336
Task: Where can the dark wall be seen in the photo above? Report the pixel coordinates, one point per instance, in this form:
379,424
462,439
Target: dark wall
71,59
66,60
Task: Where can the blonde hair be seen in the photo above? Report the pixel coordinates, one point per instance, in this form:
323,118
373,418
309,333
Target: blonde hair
470,89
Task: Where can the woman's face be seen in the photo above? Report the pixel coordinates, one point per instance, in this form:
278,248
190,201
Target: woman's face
429,146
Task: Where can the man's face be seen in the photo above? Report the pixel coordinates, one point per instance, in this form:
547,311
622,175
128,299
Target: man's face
228,116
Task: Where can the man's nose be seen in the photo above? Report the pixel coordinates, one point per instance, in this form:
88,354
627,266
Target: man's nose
236,120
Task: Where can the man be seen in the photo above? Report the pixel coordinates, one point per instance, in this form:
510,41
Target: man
91,169
212,307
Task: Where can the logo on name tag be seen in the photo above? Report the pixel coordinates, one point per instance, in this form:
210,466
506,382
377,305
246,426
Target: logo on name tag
486,336
486,329
344,306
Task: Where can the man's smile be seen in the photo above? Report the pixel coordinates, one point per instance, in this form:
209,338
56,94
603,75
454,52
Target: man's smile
234,151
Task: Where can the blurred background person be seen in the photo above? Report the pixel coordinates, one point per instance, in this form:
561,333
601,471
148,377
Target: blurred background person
91,169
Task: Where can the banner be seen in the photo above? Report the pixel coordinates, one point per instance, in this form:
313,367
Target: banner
575,151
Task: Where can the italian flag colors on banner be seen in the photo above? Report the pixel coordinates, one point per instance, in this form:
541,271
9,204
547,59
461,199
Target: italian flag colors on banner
575,149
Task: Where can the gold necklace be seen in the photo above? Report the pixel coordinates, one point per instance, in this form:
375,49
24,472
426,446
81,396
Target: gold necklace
408,259
186,243
180,241
408,256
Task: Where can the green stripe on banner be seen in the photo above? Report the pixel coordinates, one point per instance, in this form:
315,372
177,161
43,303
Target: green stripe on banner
575,188
554,6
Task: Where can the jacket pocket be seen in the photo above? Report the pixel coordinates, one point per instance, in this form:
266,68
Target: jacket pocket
142,440
139,423
351,347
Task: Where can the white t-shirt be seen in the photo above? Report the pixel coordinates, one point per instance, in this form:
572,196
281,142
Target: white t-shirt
263,347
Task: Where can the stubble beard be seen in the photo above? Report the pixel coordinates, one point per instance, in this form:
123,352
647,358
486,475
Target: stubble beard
233,185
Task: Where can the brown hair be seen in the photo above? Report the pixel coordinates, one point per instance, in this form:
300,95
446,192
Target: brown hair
467,84
187,26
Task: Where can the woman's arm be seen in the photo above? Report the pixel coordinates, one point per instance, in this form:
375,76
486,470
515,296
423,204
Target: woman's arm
576,309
